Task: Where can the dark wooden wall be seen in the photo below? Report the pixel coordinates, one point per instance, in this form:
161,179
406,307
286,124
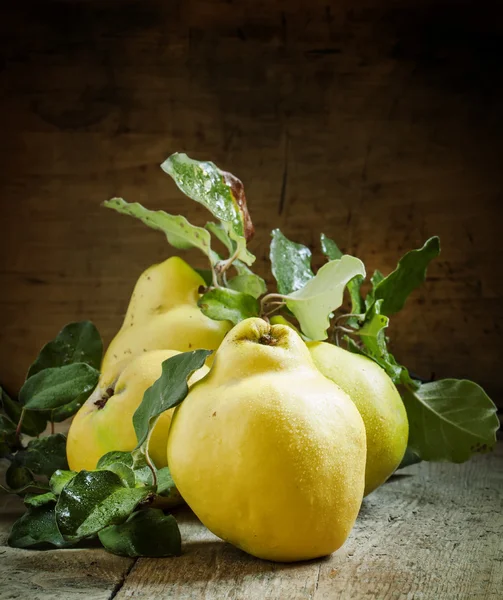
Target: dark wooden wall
377,122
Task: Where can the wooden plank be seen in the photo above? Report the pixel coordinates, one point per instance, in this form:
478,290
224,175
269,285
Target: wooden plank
434,531
55,574
382,118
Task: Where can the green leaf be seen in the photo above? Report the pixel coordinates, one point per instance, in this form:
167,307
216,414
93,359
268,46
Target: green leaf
116,456
332,252
124,472
220,192
410,273
75,343
375,346
59,479
290,263
18,478
409,458
376,278
222,304
206,274
68,410
321,295
450,420
374,341
145,533
44,455
165,485
7,436
93,500
168,391
179,232
37,527
58,386
37,500
34,422
249,284
329,248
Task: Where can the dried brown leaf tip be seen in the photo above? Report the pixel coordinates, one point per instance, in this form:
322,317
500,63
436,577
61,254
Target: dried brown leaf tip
238,192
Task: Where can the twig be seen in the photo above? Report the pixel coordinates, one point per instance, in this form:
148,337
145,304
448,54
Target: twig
20,423
267,300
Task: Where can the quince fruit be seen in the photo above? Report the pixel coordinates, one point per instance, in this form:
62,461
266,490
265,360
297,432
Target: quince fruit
267,452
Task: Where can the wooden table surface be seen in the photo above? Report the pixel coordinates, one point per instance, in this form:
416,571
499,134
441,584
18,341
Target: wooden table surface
434,532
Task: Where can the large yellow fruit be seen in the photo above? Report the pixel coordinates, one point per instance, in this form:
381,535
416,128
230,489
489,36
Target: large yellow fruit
267,452
378,401
105,422
163,313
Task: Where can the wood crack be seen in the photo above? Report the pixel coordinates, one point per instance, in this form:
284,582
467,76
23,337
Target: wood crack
120,584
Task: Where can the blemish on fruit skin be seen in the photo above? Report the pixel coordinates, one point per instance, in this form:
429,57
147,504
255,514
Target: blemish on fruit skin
101,402
214,414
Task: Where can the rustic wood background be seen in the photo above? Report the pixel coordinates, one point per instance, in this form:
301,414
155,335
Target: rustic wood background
378,122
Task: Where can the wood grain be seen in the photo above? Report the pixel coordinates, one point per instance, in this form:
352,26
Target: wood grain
434,531
55,574
378,123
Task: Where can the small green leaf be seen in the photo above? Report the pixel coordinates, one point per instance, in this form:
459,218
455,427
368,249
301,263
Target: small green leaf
93,500
75,343
374,341
375,346
168,391
332,252
37,527
59,479
116,456
222,304
37,500
313,304
220,192
290,262
145,533
329,248
249,284
450,420
58,386
409,458
165,484
179,232
124,472
34,422
409,274
376,278
18,477
44,455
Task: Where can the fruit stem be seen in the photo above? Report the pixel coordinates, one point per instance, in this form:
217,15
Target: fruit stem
222,267
150,464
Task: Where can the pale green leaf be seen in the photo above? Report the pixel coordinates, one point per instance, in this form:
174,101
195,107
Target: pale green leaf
179,232
313,304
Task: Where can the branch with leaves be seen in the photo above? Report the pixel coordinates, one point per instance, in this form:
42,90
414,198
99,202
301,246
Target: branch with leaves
449,419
